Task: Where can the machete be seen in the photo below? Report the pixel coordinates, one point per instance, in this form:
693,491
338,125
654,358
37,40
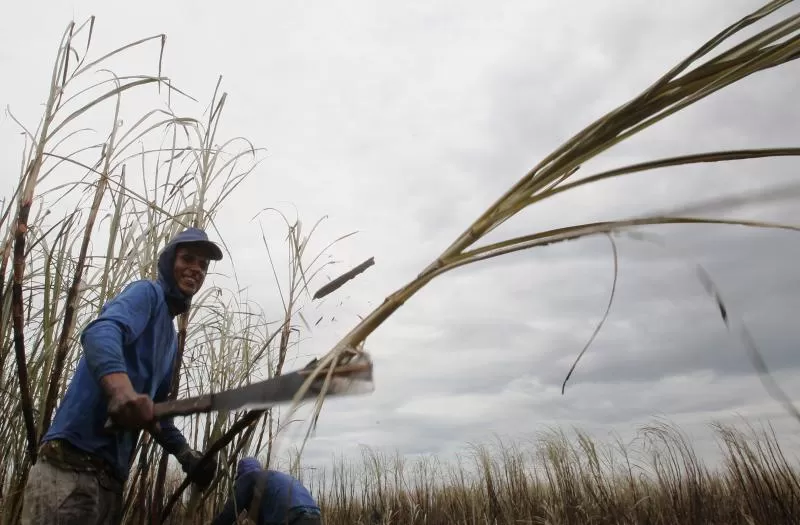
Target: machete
352,378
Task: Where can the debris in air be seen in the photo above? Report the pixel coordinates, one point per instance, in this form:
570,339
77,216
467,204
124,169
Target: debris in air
339,281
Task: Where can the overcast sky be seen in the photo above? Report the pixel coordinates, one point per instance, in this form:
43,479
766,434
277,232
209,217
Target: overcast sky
404,121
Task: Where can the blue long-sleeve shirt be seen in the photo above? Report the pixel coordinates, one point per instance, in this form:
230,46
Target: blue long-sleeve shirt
135,334
281,494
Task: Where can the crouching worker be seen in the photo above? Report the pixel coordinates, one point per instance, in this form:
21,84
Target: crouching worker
280,499
127,362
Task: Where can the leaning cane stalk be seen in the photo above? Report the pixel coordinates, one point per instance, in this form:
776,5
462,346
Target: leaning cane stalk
72,295
665,97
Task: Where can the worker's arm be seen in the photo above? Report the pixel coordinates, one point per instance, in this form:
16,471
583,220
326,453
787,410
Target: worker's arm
103,341
169,437
239,501
174,442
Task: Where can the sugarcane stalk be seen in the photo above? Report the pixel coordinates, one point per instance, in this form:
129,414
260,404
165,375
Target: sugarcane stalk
70,309
31,176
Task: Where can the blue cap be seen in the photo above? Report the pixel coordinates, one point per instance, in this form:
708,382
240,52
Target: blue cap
247,465
198,237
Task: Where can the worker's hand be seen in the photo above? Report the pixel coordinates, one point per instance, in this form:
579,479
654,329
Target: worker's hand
203,477
132,411
126,407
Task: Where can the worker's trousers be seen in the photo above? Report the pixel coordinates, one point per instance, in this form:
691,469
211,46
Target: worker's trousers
59,496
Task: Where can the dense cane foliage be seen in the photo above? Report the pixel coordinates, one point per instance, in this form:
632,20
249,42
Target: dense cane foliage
656,479
90,214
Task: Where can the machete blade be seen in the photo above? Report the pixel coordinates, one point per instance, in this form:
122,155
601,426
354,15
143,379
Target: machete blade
352,378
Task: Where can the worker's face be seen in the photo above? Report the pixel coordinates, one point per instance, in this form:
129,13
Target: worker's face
191,265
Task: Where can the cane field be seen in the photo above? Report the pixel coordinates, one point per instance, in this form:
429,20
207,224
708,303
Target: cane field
99,190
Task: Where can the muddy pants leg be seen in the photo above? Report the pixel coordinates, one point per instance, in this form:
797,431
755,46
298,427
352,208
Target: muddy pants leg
55,496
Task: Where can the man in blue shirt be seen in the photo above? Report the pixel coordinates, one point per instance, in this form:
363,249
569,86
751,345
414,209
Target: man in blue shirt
276,498
128,356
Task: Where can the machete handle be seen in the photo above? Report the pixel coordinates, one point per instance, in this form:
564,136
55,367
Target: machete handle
111,427
160,411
